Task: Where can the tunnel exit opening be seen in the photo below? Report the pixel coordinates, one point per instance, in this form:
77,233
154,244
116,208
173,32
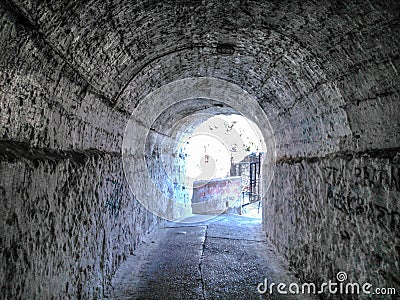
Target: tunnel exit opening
154,150
223,158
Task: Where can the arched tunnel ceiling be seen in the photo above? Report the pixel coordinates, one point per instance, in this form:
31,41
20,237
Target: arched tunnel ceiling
157,124
109,41
295,57
183,117
294,94
325,74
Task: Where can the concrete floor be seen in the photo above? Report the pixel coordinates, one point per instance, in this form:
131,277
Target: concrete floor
220,258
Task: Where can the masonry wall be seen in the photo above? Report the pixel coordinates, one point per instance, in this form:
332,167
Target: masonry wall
326,74
68,220
342,214
166,170
337,209
217,195
44,101
68,217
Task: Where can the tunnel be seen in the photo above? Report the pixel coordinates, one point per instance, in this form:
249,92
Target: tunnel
95,98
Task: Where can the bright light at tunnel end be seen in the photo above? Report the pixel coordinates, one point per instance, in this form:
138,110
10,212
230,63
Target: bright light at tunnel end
150,189
215,144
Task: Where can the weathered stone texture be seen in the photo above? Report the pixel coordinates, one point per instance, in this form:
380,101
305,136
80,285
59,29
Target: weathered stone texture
67,223
338,214
216,196
45,102
326,73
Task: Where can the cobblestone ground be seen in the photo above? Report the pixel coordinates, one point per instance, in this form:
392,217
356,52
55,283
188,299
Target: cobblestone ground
222,258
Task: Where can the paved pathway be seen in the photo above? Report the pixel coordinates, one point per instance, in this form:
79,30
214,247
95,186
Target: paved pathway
222,258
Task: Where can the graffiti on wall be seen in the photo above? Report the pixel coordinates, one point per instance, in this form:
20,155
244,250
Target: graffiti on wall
367,176
113,202
361,191
226,189
352,204
217,195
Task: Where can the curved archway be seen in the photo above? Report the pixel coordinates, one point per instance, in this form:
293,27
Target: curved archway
176,105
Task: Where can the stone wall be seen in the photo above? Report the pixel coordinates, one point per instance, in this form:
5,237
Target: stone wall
43,100
68,217
326,74
216,196
338,213
68,220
